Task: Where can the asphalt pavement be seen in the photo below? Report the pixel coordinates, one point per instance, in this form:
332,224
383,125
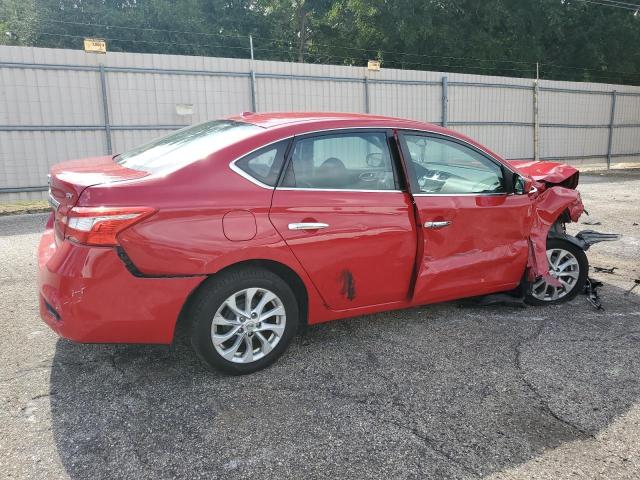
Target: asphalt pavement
442,391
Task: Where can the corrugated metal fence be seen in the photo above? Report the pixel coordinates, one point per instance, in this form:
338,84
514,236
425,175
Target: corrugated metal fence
62,104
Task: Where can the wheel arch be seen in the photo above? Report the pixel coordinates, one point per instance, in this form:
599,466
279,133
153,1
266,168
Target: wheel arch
283,271
569,238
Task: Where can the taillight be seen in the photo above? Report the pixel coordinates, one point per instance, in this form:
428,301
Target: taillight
101,225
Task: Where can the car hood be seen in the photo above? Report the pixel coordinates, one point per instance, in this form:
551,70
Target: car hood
551,173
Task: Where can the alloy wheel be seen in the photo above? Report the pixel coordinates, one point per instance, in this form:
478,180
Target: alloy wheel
248,325
564,266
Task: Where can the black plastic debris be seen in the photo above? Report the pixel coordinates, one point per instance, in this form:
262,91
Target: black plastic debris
591,291
605,269
636,282
590,221
501,299
589,237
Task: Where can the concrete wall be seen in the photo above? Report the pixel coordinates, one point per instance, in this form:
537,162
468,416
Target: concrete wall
52,106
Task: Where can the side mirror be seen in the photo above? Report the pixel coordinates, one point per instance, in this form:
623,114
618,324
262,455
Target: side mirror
523,185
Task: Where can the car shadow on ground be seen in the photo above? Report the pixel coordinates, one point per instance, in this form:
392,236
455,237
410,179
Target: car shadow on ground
446,391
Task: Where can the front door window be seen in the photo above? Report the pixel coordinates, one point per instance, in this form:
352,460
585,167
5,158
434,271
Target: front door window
441,166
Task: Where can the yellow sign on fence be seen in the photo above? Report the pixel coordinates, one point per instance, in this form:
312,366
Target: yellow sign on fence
374,65
95,45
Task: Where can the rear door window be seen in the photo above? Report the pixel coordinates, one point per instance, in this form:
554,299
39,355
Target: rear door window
344,161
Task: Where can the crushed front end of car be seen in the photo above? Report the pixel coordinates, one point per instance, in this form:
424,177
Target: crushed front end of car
555,203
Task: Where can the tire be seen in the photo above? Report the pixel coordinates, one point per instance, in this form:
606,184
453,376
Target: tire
214,318
575,275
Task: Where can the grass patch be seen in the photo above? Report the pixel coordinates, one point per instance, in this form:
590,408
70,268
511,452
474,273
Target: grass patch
29,206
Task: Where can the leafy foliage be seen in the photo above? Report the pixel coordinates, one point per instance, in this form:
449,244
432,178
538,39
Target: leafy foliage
571,39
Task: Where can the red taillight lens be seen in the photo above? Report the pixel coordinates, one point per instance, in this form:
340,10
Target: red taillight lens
101,225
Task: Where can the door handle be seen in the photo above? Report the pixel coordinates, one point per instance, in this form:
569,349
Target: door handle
307,226
437,225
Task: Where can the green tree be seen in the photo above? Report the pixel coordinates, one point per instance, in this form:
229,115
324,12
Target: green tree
570,39
17,22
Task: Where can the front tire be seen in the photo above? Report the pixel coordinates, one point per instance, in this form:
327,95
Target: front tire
569,264
243,320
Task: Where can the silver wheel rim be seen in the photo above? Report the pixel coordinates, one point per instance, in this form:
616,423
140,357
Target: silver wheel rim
248,325
564,266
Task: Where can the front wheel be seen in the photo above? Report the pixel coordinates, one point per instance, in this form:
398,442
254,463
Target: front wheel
243,320
568,263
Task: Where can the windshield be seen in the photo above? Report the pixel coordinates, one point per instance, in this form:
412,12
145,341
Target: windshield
185,146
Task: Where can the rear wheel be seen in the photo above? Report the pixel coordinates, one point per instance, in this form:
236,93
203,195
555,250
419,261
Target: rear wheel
569,265
243,320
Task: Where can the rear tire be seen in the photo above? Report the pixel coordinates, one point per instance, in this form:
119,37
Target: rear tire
243,320
570,265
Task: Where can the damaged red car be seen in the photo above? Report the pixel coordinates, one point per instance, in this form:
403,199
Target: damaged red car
248,228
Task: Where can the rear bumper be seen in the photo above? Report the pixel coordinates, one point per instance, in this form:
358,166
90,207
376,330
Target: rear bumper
86,294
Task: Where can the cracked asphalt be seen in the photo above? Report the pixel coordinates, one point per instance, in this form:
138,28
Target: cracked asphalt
443,391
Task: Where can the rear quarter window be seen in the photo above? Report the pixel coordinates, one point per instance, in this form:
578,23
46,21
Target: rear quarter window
264,165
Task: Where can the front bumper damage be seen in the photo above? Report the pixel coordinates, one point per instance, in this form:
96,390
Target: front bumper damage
555,203
549,205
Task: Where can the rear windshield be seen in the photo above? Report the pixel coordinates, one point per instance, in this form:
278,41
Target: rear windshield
185,146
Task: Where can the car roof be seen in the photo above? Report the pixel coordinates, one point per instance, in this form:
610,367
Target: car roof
296,123
280,119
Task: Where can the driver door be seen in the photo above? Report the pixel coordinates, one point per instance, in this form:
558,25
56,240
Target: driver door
472,237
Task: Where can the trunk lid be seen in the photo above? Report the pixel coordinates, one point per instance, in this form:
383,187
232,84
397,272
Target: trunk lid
69,179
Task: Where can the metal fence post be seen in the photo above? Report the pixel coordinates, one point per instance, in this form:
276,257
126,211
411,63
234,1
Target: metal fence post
536,122
105,109
366,95
445,101
252,78
254,95
611,126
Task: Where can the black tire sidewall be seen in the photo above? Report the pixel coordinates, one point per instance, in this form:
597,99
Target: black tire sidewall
583,263
214,292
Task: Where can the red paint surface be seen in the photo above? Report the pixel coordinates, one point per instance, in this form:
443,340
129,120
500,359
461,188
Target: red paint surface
98,300
483,250
239,225
371,236
548,172
548,206
209,218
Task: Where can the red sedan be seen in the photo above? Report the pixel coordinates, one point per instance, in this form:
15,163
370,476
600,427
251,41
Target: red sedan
251,227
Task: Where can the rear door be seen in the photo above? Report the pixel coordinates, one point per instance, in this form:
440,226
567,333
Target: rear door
473,232
341,211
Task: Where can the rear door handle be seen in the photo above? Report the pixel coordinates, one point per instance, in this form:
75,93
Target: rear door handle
437,225
307,226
